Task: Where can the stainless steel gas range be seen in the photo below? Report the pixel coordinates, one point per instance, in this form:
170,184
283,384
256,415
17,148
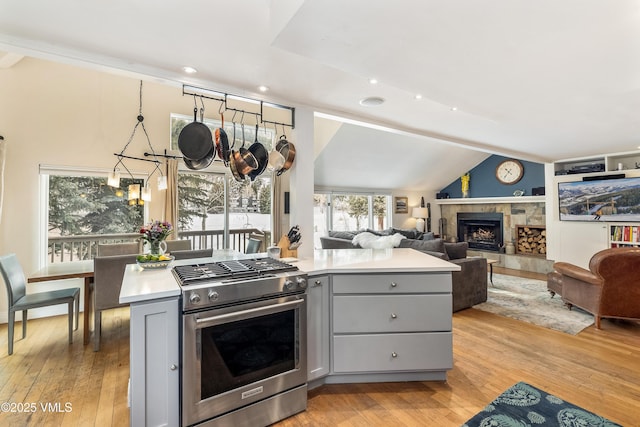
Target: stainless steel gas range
244,360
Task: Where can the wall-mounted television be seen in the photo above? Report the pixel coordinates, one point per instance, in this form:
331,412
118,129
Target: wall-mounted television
603,199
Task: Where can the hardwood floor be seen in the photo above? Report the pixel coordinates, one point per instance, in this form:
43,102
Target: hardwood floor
598,370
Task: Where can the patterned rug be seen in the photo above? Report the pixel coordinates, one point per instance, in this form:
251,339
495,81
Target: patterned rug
524,405
528,300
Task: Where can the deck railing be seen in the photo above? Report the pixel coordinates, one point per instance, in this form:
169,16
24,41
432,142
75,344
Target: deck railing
74,248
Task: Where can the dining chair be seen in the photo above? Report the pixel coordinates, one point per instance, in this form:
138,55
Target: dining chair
108,249
178,245
19,300
107,282
196,253
253,246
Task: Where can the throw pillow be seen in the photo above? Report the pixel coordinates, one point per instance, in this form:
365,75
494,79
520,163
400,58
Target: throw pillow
409,233
456,250
349,235
371,241
428,236
386,232
435,245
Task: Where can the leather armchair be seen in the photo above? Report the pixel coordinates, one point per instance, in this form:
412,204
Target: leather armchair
610,288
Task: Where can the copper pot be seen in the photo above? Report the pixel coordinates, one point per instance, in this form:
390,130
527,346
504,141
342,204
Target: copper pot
222,142
288,151
242,161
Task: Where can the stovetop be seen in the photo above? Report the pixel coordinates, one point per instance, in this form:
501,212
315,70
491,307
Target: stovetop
231,282
232,269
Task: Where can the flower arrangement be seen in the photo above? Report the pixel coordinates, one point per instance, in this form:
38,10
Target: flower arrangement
155,232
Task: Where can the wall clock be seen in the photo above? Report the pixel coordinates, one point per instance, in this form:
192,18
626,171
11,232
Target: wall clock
509,171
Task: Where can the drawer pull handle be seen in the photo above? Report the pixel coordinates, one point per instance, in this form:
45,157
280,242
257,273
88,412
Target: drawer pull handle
394,284
173,367
394,316
394,354
317,283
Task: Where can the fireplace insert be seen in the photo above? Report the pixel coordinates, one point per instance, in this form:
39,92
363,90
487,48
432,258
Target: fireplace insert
482,230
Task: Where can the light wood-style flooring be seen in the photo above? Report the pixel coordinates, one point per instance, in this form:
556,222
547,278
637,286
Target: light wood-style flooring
598,370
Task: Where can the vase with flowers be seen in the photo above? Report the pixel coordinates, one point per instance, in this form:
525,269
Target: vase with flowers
155,233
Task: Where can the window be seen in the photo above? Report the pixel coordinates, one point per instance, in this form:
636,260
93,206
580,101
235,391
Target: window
83,210
345,212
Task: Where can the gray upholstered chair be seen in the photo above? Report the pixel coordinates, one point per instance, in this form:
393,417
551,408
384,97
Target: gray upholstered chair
253,246
19,300
178,245
119,249
107,282
196,253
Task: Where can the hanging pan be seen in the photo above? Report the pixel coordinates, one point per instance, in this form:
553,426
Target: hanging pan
222,141
261,155
242,161
288,151
195,139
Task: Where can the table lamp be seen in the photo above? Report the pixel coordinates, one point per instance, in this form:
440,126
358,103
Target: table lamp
420,214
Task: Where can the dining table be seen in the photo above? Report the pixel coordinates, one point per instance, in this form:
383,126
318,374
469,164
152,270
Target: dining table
71,270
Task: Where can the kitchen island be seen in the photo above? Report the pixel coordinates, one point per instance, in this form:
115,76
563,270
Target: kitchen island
372,315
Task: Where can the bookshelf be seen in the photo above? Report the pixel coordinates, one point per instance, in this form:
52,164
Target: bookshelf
623,235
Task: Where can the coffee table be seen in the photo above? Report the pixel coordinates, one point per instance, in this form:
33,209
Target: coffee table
490,263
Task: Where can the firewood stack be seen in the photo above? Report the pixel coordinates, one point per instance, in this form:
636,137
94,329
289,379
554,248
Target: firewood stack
532,240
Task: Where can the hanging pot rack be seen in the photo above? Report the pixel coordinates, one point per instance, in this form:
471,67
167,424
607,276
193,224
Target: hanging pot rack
223,98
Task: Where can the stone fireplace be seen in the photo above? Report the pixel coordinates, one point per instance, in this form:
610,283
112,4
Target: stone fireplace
482,230
516,212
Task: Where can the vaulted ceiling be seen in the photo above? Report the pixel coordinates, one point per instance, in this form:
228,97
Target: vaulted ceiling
539,80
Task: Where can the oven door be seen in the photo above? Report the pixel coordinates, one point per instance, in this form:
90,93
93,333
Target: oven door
238,355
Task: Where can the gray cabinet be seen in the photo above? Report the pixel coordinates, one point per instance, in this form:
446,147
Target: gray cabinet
391,323
154,358
318,333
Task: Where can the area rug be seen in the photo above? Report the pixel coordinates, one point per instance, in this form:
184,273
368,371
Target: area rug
528,300
525,405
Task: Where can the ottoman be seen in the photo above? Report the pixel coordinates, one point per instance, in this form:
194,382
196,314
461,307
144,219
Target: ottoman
554,283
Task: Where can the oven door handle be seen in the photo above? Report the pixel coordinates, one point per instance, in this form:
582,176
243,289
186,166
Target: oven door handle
241,315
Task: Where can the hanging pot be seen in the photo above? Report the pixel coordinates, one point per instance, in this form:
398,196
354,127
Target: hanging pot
222,142
242,161
261,155
195,141
288,151
202,163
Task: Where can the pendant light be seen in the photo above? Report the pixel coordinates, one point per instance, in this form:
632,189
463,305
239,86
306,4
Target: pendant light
135,193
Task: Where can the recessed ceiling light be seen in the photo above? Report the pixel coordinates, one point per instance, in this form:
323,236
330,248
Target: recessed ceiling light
189,70
418,96
454,108
372,101
263,88
373,81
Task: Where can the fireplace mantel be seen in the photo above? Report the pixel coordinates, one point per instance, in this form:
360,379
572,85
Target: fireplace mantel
488,200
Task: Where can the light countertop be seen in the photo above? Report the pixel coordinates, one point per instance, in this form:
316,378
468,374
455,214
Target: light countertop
145,285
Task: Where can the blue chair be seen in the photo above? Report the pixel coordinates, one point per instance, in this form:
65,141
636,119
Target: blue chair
19,300
253,246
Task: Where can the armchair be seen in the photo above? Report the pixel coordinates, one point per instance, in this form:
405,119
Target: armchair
610,288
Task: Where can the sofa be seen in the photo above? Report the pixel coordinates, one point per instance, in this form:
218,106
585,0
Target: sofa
469,284
610,288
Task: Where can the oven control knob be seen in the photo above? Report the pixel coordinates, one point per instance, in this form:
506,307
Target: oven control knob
213,295
302,282
194,298
289,285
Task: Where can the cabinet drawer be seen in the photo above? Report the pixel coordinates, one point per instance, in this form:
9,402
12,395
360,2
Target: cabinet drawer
391,313
391,283
393,352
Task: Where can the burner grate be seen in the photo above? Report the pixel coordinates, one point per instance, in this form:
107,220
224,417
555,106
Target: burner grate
190,274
